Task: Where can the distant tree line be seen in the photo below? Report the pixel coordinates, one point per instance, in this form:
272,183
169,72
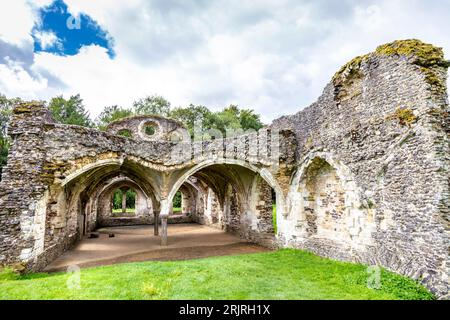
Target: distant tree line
72,111
130,199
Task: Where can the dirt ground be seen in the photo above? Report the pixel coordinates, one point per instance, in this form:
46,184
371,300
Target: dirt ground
137,243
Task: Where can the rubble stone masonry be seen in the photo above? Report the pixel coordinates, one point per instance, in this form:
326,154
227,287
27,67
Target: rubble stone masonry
361,175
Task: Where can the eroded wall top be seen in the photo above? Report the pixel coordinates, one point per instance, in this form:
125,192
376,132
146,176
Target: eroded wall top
149,128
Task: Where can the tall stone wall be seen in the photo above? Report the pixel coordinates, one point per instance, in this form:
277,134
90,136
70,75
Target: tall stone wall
383,125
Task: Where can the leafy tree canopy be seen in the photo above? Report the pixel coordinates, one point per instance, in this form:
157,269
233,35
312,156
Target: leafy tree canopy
5,113
192,115
154,104
71,111
110,114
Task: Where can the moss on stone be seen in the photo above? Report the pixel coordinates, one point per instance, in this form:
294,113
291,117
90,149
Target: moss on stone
351,67
425,55
433,79
21,109
26,107
405,116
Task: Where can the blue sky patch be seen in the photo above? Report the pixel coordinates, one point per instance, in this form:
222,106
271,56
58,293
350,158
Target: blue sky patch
61,33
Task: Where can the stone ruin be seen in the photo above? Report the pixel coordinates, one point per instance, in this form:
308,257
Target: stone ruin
361,175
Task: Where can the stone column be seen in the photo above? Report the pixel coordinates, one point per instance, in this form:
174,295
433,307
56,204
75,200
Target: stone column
156,223
165,209
164,230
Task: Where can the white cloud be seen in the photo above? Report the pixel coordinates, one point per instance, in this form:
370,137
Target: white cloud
273,56
47,39
16,21
15,81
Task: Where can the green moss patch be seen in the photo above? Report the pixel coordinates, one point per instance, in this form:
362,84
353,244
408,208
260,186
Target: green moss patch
405,116
426,56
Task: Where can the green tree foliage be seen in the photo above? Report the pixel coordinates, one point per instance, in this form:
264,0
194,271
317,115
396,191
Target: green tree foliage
233,118
176,203
249,120
131,199
5,113
154,104
230,118
191,115
71,111
117,199
110,114
4,149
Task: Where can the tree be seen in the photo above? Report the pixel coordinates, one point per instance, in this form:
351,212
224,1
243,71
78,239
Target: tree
177,201
249,120
70,111
110,114
227,119
233,118
192,115
5,114
153,105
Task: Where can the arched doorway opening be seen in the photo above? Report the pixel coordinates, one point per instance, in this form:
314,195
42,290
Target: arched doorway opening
177,202
85,201
324,210
124,202
234,196
330,206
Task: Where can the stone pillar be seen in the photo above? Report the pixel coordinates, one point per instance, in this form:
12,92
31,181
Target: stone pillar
156,223
164,230
165,209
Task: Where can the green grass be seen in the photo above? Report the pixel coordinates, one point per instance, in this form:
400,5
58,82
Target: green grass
129,210
283,274
175,209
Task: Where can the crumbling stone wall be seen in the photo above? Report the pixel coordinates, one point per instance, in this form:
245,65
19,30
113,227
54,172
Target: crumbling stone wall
383,125
68,166
360,175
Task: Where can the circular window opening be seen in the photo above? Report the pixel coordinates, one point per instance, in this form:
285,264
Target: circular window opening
124,133
150,129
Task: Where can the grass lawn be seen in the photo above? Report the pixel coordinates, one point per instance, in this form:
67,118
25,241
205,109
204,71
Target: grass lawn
283,274
129,210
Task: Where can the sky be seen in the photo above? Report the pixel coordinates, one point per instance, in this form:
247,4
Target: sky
273,56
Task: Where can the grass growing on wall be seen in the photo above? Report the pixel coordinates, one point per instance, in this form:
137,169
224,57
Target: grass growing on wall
283,274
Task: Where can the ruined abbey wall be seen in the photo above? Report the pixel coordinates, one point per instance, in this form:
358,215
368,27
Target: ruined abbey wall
372,182
361,175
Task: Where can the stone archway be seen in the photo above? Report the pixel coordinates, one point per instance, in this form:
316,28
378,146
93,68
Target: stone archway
239,191
143,209
325,205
